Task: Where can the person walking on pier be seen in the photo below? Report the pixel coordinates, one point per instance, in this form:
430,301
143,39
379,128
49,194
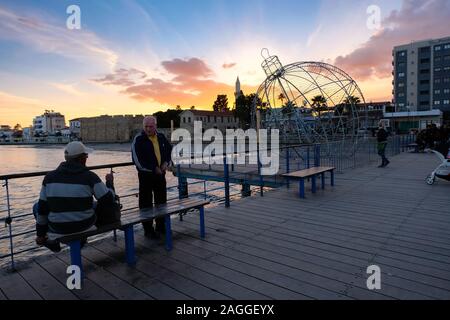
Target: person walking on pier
151,153
382,137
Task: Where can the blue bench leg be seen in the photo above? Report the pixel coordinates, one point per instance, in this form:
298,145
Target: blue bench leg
129,245
75,254
332,177
323,180
202,222
302,188
168,233
313,184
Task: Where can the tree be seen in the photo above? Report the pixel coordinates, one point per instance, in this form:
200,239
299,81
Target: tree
164,117
178,108
17,127
319,103
243,108
221,103
288,109
192,107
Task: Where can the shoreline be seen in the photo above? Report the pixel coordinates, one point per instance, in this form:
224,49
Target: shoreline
100,146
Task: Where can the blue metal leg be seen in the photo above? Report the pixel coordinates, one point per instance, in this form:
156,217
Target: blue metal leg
129,245
313,184
302,188
202,222
323,180
332,177
75,254
168,233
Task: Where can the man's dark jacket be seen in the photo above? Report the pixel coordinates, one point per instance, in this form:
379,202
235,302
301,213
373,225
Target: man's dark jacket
143,153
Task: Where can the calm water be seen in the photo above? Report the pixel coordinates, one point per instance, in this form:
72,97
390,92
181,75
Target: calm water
24,192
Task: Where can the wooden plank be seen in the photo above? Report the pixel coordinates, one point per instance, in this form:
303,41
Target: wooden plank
89,290
148,284
390,290
174,280
189,269
307,172
47,286
15,287
115,286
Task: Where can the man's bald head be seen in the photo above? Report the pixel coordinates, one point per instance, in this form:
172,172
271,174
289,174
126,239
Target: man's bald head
149,124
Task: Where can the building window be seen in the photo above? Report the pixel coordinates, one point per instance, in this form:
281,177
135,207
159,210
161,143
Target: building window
447,57
189,119
209,118
215,119
401,105
446,101
447,46
437,81
425,60
401,95
437,91
401,65
184,120
437,102
222,119
425,71
446,80
437,69
447,69
402,54
446,91
401,74
437,59
401,84
437,48
424,92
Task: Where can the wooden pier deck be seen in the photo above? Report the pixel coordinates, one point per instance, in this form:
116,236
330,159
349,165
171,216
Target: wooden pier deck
279,247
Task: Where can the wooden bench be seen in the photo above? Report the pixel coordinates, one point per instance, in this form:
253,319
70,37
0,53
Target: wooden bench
132,218
301,175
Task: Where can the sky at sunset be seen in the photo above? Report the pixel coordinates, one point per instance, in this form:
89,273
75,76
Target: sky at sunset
139,57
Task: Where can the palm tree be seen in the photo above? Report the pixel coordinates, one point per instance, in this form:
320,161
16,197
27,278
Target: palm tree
319,103
281,97
350,101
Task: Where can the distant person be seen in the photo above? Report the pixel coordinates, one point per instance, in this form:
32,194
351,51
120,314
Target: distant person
66,204
151,153
382,137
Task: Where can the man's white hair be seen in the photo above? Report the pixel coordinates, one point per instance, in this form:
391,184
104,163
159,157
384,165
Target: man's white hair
147,118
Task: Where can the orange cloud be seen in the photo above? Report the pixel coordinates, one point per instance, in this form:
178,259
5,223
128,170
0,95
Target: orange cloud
416,20
228,65
193,67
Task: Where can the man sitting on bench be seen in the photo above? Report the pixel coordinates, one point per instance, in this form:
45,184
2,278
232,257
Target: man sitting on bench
66,205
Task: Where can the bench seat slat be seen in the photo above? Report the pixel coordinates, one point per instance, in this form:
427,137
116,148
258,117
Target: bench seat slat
138,216
308,172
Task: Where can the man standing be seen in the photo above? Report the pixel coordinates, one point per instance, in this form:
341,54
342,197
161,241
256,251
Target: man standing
151,153
66,205
382,137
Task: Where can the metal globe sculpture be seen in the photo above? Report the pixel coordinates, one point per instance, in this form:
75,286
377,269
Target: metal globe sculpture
309,102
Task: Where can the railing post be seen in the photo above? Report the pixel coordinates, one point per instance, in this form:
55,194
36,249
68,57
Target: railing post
287,164
307,158
182,184
317,155
227,181
8,222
